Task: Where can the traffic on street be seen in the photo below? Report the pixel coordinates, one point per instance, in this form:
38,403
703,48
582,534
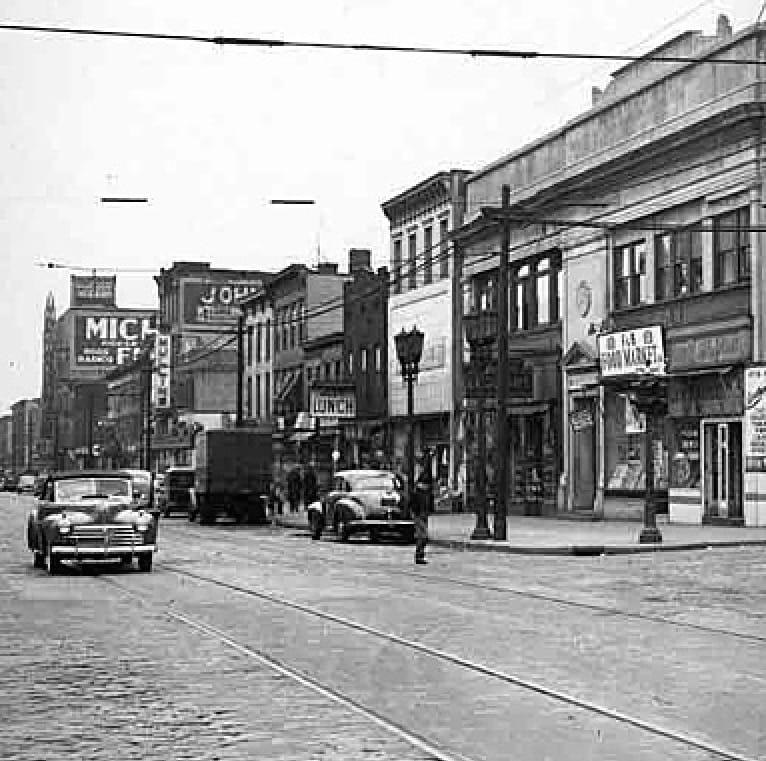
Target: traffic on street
256,642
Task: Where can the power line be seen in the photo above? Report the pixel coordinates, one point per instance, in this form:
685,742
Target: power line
261,42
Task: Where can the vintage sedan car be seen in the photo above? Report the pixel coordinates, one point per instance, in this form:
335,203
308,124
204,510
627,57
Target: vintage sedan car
90,515
27,484
363,501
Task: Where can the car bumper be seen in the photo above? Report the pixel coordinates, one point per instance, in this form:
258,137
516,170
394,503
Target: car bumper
71,550
363,524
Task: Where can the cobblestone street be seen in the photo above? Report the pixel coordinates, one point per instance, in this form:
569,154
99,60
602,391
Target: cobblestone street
483,656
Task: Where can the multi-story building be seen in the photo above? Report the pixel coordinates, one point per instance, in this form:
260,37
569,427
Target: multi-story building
634,228
426,294
365,320
199,312
25,436
6,443
258,362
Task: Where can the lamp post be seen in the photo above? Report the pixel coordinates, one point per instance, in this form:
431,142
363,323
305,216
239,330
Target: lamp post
481,331
409,348
651,402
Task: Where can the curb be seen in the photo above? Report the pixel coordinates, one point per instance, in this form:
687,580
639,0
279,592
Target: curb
576,550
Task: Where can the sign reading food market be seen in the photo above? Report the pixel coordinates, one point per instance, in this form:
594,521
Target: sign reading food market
632,352
93,290
333,403
111,338
755,419
212,303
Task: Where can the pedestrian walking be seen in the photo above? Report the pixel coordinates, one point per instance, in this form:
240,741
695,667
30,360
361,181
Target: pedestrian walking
294,489
310,486
422,506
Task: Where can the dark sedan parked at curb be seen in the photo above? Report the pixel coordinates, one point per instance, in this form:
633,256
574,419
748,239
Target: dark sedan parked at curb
363,501
90,515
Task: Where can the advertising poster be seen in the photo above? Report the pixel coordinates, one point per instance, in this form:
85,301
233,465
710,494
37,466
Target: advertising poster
93,290
632,352
755,419
212,303
111,338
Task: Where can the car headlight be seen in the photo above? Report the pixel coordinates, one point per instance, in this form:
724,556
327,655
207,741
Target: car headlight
143,521
64,526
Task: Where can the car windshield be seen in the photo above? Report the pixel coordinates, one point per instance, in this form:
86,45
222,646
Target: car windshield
27,481
181,479
91,488
373,482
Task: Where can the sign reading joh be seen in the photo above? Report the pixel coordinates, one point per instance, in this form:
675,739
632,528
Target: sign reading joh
632,352
110,339
206,302
333,404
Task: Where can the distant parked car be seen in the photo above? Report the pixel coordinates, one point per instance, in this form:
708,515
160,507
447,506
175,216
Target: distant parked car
90,515
27,484
363,501
11,482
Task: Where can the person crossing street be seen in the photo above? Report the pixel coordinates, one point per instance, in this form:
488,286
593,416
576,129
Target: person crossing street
422,506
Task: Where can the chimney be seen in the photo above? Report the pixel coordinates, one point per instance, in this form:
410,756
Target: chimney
359,259
327,268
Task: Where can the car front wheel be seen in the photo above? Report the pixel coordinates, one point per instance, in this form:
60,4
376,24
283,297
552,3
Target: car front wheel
342,529
145,562
316,526
39,561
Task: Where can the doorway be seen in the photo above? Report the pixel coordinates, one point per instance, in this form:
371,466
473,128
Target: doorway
582,422
722,440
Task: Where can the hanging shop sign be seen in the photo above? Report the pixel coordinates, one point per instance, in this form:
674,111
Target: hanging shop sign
161,375
333,403
110,339
707,351
632,352
755,419
214,303
580,420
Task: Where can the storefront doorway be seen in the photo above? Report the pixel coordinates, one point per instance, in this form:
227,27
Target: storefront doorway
722,457
582,422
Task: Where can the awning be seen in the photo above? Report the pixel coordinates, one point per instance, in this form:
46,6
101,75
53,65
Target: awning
701,371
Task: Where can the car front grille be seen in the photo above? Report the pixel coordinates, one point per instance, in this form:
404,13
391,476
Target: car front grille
111,535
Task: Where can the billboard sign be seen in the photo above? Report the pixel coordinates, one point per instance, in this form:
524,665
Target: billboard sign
211,303
110,339
755,419
632,352
93,290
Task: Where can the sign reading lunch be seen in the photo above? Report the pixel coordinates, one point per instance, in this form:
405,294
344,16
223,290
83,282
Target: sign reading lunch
333,404
632,352
111,339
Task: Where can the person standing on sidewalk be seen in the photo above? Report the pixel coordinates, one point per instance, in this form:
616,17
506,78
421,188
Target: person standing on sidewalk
294,489
422,506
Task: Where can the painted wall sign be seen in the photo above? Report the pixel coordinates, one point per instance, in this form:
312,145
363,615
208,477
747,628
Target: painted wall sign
755,419
632,352
333,404
208,302
110,339
704,351
92,290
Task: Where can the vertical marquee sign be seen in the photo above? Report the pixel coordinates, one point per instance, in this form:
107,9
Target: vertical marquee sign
161,373
755,419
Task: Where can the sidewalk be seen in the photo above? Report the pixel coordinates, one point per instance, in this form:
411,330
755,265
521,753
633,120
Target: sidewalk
558,536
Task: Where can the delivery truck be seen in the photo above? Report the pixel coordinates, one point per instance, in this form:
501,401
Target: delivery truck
232,475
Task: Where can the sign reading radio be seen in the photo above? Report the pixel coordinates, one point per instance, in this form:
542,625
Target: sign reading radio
333,404
110,339
632,352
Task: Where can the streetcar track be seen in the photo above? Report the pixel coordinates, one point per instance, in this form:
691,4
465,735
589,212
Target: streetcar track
542,597
301,677
473,666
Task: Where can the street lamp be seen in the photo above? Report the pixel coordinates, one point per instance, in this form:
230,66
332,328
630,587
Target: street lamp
409,348
481,334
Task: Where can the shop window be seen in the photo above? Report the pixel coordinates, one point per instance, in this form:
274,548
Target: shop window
443,248
678,264
428,234
731,247
685,454
630,275
397,266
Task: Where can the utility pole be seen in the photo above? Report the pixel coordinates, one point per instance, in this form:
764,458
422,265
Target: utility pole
240,365
501,436
147,407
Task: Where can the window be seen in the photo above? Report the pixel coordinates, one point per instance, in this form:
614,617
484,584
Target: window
276,333
303,323
397,266
351,363
258,342
428,235
285,320
337,369
630,275
363,361
543,281
249,344
412,255
378,359
267,394
293,324
523,298
677,264
267,351
258,396
443,248
731,247
327,371
249,396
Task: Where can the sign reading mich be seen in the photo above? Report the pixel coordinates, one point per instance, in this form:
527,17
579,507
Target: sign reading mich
632,352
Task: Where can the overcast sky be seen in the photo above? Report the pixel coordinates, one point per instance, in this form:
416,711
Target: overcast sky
210,134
